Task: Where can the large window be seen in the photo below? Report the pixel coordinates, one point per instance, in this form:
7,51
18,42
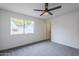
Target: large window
21,26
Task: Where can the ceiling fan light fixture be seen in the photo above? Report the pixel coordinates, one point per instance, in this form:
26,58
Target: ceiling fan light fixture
46,13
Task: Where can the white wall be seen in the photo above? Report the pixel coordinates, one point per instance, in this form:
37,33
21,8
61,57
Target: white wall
65,29
10,41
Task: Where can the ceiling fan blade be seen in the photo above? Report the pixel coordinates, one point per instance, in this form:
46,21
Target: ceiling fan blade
54,8
42,13
50,13
38,10
46,5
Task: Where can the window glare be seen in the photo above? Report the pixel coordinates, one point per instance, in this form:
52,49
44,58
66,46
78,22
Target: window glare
21,26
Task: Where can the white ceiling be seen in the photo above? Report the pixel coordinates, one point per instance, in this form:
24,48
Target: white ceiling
28,8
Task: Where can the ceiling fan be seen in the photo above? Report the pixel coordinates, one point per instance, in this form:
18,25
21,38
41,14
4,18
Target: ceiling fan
46,11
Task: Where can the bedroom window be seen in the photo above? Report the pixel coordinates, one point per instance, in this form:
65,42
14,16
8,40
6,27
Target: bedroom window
21,26
29,26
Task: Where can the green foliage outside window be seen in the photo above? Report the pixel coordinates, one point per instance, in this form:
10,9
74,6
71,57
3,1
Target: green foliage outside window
21,22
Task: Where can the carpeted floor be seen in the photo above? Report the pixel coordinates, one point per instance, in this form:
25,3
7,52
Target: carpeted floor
45,48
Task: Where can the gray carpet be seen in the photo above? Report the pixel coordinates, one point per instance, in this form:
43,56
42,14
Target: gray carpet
45,48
